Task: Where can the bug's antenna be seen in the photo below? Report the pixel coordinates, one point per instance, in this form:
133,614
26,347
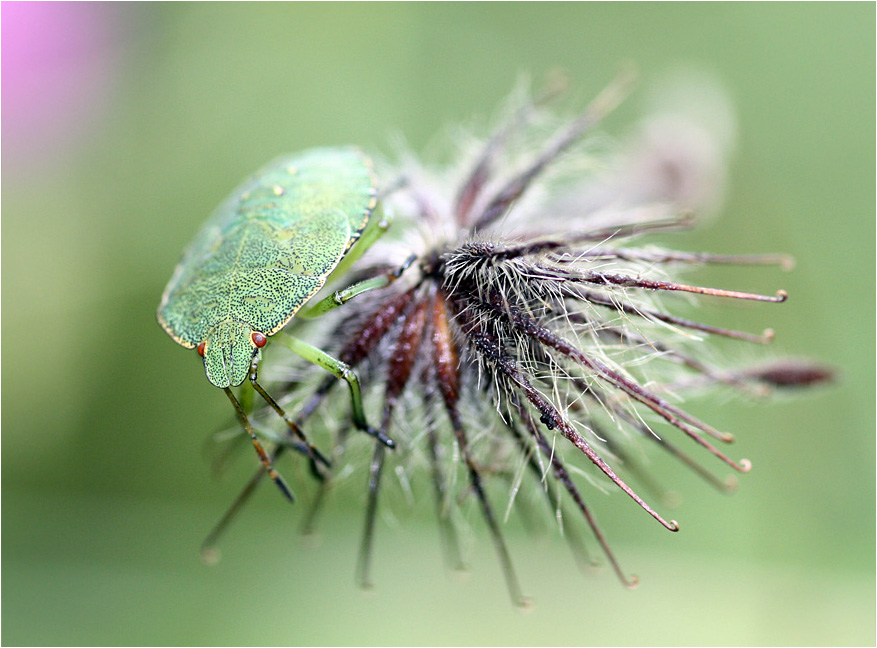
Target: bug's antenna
208,547
266,460
371,333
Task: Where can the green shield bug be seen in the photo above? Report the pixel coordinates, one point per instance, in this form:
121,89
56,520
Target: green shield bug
265,252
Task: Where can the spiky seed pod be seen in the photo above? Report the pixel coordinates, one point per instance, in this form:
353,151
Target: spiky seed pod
528,331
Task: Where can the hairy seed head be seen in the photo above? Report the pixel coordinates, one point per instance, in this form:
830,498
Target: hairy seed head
535,335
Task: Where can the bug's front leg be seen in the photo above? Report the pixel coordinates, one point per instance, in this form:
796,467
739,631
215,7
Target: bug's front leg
339,370
307,448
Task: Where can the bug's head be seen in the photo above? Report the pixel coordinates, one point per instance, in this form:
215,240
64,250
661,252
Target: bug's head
228,352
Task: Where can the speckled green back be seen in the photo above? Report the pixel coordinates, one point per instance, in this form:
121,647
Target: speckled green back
270,246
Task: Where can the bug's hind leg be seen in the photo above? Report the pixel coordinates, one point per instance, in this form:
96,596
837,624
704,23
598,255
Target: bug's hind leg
340,370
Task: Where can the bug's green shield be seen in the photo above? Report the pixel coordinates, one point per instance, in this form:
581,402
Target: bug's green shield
264,253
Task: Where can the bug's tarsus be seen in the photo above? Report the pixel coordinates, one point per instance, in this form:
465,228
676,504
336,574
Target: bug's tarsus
373,330
380,436
246,493
342,371
405,265
539,324
266,460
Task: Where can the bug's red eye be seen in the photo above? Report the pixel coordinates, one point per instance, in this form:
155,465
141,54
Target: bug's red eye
201,348
258,339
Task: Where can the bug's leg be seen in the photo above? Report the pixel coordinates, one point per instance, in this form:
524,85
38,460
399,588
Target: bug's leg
266,460
341,297
372,332
315,455
209,550
339,370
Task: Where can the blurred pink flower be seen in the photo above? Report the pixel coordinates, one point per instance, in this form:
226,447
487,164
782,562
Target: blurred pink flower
59,62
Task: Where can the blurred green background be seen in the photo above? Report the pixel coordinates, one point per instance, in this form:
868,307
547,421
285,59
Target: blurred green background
123,126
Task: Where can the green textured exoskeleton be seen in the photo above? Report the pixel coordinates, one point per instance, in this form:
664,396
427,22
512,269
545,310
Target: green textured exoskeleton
265,252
